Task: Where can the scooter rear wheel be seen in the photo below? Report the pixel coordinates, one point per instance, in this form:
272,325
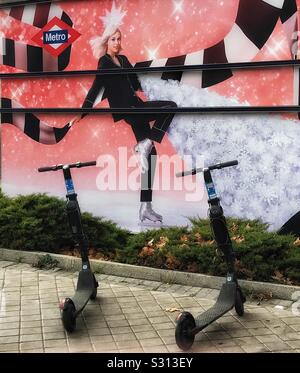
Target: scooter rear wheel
94,293
68,315
239,302
183,336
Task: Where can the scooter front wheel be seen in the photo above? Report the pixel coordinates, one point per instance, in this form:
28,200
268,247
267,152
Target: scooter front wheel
183,336
68,315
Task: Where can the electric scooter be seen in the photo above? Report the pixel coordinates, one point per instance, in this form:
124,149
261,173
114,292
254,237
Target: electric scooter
86,284
230,294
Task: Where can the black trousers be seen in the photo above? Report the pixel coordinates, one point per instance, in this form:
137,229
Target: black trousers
140,124
142,130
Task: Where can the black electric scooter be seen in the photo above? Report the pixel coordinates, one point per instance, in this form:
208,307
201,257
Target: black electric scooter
86,285
230,294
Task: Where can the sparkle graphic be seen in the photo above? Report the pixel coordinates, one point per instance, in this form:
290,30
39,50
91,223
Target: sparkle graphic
114,17
277,47
152,53
178,6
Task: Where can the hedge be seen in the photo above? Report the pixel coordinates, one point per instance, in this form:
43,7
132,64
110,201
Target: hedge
38,222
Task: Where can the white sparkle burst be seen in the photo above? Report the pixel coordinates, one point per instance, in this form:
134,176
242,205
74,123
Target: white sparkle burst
114,18
277,48
178,6
152,52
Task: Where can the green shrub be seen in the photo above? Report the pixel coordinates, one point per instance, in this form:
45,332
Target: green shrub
261,255
46,262
38,222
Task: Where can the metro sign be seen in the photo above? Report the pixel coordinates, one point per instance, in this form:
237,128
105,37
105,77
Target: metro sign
56,36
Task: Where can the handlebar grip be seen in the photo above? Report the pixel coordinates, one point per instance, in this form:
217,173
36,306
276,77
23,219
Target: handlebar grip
218,166
72,165
190,172
45,169
85,164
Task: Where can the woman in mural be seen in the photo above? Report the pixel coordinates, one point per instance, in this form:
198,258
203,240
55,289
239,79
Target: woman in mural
120,90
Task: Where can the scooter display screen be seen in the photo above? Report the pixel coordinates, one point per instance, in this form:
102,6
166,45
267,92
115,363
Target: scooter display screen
211,191
70,186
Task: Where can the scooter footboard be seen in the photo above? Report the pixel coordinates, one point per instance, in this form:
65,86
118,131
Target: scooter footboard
224,303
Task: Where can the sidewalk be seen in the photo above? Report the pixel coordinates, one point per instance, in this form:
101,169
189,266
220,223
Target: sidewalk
130,315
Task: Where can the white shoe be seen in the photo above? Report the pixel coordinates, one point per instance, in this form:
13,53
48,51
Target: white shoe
146,212
143,148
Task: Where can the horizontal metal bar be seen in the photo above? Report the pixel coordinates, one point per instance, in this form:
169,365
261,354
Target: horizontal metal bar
162,69
9,4
174,110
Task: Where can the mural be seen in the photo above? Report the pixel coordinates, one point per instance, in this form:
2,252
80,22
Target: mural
137,156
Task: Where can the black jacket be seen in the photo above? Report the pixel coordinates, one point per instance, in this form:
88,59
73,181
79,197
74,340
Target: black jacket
118,89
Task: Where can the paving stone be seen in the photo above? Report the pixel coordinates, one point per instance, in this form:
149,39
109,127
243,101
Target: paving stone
268,338
260,331
150,342
146,334
105,346
171,348
10,339
217,335
131,318
205,348
31,337
128,344
124,337
234,333
56,350
296,327
276,346
158,319
9,347
103,338
289,336
117,323
33,351
25,331
231,349
255,348
81,348
99,331
54,335
294,344
247,341
31,345
142,328
291,320
57,343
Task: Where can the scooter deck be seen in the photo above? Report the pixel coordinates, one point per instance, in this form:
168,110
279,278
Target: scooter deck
81,298
85,288
224,303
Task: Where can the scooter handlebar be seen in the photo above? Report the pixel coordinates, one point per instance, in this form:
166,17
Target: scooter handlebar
61,166
217,166
190,172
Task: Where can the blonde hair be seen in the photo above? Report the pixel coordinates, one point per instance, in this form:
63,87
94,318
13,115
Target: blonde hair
99,43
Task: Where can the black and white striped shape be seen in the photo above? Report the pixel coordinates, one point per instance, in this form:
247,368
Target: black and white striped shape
32,126
255,22
28,57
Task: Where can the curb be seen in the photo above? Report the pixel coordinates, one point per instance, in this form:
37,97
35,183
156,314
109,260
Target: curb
153,274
